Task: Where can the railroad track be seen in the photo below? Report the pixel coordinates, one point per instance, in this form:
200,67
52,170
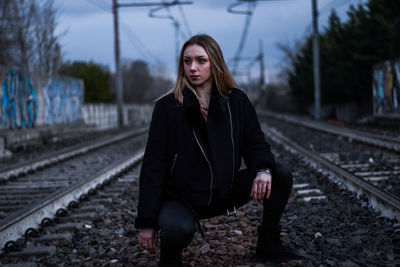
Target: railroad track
36,192
386,142
98,229
374,163
15,170
360,175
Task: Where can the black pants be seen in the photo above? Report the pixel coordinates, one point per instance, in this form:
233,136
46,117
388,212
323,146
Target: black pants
177,223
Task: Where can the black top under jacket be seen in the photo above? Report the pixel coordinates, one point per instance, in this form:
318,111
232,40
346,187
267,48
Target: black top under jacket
185,153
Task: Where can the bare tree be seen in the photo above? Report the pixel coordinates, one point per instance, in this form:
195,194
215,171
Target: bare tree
27,36
140,86
47,59
290,53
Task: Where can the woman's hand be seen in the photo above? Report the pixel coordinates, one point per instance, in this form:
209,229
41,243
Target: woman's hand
262,183
148,239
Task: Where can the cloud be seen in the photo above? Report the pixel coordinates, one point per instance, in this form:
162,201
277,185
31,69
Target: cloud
90,29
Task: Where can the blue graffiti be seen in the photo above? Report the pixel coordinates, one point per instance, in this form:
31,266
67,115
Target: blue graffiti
17,101
63,97
386,87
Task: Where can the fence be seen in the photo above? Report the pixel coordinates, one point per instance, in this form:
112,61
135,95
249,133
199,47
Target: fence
105,116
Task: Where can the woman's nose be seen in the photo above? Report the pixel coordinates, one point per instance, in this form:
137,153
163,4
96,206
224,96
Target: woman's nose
193,66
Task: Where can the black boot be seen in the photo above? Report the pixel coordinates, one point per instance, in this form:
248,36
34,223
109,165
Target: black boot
270,247
170,262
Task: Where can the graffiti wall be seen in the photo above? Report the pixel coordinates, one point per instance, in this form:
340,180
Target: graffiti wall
62,101
21,105
18,104
386,87
58,101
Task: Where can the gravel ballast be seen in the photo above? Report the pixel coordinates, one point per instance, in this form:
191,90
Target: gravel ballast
341,230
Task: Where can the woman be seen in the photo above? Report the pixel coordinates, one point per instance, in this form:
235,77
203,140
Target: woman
198,134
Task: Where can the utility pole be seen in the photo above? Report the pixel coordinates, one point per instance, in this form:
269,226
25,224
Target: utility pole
317,82
176,26
261,58
118,75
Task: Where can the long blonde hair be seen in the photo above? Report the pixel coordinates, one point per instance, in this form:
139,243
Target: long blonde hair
222,78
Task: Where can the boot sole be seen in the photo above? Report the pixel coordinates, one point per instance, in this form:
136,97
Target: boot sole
277,260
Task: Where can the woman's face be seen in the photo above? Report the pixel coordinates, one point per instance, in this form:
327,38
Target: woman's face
197,66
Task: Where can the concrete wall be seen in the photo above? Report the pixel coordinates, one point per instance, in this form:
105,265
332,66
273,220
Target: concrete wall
104,116
386,87
18,106
24,103
58,100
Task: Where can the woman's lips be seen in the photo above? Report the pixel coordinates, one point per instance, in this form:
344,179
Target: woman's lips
194,77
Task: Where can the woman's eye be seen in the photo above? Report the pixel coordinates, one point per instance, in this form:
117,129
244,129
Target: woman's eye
186,61
202,60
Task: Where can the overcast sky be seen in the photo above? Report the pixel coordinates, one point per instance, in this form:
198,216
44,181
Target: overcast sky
88,29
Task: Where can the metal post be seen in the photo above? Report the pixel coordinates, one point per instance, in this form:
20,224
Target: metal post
118,76
176,25
317,83
261,58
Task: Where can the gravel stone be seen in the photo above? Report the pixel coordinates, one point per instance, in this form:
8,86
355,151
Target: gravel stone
340,231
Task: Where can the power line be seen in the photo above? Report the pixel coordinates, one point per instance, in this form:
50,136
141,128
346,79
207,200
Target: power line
137,43
337,5
174,21
103,7
251,5
185,22
133,39
249,12
328,7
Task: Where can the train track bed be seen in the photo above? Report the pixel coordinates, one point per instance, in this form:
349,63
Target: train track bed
390,131
388,125
48,143
323,222
47,180
376,165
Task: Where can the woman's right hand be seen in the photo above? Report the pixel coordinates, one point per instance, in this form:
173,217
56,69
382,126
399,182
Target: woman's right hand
148,239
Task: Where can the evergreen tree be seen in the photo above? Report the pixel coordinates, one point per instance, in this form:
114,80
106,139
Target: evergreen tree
348,52
96,80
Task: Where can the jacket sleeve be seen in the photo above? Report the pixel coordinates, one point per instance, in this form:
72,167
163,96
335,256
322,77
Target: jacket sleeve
256,150
153,171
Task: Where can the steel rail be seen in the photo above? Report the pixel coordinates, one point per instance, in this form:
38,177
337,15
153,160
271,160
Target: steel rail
387,203
386,142
63,154
15,226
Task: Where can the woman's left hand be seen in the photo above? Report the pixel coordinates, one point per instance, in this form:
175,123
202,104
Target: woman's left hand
261,185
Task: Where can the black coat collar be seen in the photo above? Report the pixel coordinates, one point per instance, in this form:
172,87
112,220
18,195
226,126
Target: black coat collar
217,108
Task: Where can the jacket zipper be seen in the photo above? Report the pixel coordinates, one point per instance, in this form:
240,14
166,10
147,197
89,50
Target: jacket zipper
173,164
205,156
233,146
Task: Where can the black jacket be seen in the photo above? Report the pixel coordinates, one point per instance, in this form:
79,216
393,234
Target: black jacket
185,153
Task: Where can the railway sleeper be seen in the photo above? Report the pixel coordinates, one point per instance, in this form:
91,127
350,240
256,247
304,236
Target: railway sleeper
21,264
33,251
52,237
65,227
